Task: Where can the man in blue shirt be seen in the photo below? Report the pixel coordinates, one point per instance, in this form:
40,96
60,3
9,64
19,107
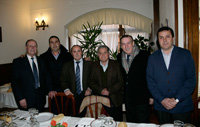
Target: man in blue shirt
171,79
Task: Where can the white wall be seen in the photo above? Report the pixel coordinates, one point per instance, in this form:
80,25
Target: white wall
15,23
167,12
61,12
18,17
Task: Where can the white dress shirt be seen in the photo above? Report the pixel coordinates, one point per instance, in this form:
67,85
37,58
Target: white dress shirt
167,57
104,67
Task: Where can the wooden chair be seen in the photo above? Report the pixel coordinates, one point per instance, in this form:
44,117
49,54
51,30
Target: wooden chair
66,108
94,105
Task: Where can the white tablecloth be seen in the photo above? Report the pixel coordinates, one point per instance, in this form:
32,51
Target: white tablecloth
72,121
7,99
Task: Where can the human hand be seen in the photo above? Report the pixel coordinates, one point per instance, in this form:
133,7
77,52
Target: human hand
151,101
105,92
68,92
23,103
88,92
52,94
169,103
22,56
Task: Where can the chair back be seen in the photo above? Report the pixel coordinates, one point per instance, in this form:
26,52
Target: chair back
94,105
64,105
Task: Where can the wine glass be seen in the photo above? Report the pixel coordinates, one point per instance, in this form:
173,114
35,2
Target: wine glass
33,121
101,118
108,121
178,123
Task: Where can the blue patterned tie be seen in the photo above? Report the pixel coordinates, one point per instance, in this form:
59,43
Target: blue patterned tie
35,74
78,84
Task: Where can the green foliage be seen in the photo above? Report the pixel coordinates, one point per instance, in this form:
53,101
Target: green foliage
143,43
113,54
89,44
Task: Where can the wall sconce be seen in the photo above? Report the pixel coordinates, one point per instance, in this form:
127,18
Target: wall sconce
43,24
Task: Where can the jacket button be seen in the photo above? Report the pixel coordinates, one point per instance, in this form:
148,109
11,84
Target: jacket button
168,73
168,82
169,90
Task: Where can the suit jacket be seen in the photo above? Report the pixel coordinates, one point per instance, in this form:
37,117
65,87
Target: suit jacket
68,78
54,66
177,82
136,90
23,82
114,81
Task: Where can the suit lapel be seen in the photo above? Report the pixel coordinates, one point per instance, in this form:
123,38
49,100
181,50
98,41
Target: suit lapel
39,67
73,75
28,67
84,75
109,72
173,58
162,61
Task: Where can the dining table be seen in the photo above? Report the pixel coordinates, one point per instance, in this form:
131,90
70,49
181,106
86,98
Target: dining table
21,118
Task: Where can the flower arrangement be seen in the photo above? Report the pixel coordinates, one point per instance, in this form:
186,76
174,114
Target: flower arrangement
54,124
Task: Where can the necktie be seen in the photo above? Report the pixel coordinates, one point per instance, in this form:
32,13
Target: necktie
128,58
78,84
35,73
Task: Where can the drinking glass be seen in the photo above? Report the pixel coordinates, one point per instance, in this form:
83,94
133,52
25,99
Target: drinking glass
33,121
108,121
178,123
101,118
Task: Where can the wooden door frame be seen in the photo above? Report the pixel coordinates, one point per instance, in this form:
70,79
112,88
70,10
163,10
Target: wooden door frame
191,38
191,42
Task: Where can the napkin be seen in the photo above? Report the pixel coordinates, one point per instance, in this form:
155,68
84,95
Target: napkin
58,117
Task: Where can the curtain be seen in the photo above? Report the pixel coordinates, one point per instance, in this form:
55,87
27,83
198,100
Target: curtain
110,16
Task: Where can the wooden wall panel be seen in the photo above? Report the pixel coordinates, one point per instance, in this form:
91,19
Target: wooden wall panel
191,42
5,73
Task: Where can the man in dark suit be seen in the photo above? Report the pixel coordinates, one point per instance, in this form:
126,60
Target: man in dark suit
54,58
75,77
133,63
30,79
171,79
106,80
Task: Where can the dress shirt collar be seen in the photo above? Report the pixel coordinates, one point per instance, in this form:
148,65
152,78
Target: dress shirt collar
81,60
56,56
29,57
169,53
104,66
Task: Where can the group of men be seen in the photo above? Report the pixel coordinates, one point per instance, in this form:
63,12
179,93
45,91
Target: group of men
166,78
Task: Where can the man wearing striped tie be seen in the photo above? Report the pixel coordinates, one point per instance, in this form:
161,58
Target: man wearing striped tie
30,79
75,77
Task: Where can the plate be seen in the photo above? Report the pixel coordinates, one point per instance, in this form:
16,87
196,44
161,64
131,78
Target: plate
167,125
97,123
43,117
